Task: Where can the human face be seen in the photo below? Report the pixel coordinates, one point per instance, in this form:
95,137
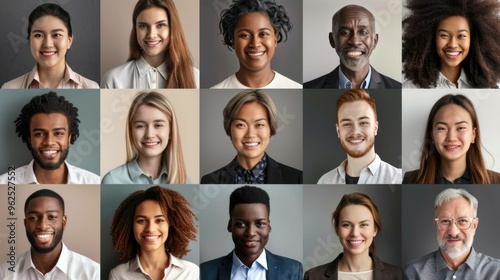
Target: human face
452,41
150,226
249,226
49,139
152,30
453,241
356,128
356,229
453,132
45,223
49,42
150,132
354,38
250,133
254,42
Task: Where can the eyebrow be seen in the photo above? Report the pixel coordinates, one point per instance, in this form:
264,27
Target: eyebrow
443,123
54,129
360,118
41,31
248,30
257,120
160,21
141,121
447,31
36,212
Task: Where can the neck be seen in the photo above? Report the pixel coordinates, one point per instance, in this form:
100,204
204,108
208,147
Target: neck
355,165
247,163
255,79
355,263
155,262
51,77
56,176
247,260
154,61
45,262
355,77
453,170
151,166
456,262
451,73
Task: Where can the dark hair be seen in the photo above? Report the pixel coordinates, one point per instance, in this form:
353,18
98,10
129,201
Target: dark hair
357,198
179,217
420,59
47,103
50,9
177,56
430,158
42,193
277,16
246,195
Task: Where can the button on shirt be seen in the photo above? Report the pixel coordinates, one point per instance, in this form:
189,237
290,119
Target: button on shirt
344,83
377,172
432,266
71,80
257,271
256,175
70,265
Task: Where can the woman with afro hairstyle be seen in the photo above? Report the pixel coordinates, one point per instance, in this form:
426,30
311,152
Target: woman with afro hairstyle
451,44
253,29
150,231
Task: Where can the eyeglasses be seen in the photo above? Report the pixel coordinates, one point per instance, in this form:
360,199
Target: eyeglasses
462,223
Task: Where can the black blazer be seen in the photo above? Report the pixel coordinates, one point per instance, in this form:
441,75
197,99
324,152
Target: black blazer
411,176
331,80
381,270
276,173
278,267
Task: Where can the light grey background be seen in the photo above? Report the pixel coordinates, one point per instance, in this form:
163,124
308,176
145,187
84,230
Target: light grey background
322,149
218,62
111,197
419,234
418,103
321,243
285,215
320,58
86,150
216,148
83,57
116,18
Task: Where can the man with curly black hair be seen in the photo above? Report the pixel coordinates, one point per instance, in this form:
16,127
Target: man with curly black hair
354,38
48,125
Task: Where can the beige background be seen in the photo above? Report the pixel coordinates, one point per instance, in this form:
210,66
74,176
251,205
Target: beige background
83,227
116,24
114,109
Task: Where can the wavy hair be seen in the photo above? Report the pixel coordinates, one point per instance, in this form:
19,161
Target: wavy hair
177,56
420,60
172,157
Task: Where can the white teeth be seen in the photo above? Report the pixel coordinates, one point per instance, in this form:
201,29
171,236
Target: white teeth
354,53
153,42
48,53
355,242
253,144
452,147
44,236
355,141
452,53
151,238
49,152
150,143
256,54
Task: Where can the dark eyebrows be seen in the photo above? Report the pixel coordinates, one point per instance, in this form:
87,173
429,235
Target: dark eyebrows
51,31
443,123
447,31
156,216
360,118
248,30
160,21
54,129
36,212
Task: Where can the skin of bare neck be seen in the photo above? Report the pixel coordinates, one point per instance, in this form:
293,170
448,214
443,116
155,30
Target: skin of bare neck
154,263
355,263
44,262
355,165
355,77
57,176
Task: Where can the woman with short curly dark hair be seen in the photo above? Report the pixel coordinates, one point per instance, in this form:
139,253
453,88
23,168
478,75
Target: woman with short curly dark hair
451,44
150,231
253,29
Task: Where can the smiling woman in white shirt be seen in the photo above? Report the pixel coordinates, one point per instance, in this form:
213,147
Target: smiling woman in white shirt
159,55
50,37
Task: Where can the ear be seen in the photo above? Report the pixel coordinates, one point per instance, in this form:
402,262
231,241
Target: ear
474,135
376,128
70,41
64,220
375,41
229,225
475,223
332,41
337,129
376,231
269,223
69,140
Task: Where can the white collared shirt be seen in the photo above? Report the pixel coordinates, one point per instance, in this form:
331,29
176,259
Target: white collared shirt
239,271
344,82
139,74
443,82
70,265
377,172
279,81
71,80
26,175
177,269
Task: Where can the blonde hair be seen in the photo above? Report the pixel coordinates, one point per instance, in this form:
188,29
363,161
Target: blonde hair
172,156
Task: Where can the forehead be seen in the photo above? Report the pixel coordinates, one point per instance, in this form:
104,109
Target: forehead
43,203
455,207
252,108
454,23
149,112
254,20
355,13
250,211
152,14
353,110
452,112
148,206
356,212
48,22
42,120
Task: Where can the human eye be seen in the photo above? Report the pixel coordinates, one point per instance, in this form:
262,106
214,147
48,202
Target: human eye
346,124
445,222
363,32
140,221
264,34
141,26
139,125
365,225
52,217
158,125
344,32
162,25
462,36
39,134
444,35
364,123
462,221
32,218
160,220
57,35
239,224
37,35
261,224
346,225
239,125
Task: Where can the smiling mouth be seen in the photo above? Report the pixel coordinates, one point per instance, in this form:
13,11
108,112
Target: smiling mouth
355,243
151,238
150,144
255,54
451,147
153,43
251,144
453,54
355,141
250,243
44,237
48,54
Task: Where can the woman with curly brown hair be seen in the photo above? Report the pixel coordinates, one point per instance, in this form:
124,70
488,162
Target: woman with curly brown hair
151,230
451,44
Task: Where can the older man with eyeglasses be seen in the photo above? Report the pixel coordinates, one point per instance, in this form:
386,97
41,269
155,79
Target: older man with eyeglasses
456,223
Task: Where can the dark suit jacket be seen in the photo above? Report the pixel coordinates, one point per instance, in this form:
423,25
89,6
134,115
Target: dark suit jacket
381,270
276,173
278,267
331,80
411,176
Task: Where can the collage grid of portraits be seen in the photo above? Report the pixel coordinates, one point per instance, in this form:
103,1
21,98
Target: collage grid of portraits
306,138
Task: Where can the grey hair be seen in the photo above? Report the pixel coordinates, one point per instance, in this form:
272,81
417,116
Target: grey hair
450,194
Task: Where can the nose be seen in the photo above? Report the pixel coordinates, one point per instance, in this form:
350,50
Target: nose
254,41
355,231
250,231
42,223
48,139
250,131
149,132
354,39
47,41
152,32
450,135
453,230
452,42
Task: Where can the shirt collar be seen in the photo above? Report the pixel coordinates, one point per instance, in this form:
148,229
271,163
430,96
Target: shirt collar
254,175
464,179
144,67
372,167
135,264
462,80
69,75
261,261
344,83
30,177
62,263
441,263
135,171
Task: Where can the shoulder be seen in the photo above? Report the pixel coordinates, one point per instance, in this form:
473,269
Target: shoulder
409,84
393,172
321,82
416,267
82,176
287,264
387,82
281,81
86,83
81,261
215,177
391,271
116,75
209,269
410,177
17,83
330,177
494,177
15,175
229,82
119,271
116,175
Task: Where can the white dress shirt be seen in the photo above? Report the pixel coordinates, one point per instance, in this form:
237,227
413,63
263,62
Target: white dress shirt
443,82
239,271
279,81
